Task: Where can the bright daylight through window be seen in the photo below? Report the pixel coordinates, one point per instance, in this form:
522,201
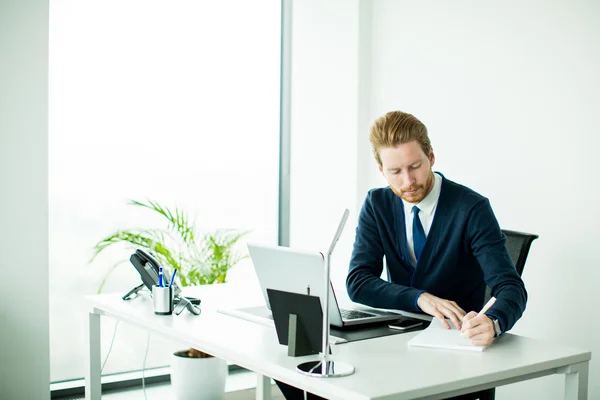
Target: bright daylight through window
174,102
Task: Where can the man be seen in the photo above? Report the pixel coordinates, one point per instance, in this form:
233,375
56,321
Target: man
441,241
438,263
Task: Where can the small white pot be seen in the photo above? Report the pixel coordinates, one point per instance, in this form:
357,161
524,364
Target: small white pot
198,378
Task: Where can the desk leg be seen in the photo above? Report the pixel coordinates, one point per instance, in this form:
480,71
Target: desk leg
576,381
93,388
263,387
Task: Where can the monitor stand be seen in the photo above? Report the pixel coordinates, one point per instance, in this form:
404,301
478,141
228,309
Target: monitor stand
334,369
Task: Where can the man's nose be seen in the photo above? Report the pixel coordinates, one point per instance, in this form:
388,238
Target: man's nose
409,178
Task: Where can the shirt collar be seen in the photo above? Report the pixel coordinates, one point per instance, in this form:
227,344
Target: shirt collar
428,204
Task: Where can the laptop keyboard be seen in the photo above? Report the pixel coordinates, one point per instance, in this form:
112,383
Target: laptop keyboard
354,314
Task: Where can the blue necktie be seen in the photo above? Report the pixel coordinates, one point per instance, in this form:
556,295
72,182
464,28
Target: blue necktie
418,233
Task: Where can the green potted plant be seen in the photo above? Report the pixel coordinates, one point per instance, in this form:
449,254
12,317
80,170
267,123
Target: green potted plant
199,260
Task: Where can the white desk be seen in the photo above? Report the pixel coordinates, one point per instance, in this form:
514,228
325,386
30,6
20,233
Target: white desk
386,368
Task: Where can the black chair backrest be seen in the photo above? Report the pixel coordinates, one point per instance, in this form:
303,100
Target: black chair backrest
518,244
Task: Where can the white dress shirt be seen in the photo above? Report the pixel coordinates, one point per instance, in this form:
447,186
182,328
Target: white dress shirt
427,208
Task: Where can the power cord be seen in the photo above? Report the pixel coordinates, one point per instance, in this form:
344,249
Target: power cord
112,341
144,366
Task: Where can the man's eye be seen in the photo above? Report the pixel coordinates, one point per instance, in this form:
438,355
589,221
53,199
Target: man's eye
413,167
395,172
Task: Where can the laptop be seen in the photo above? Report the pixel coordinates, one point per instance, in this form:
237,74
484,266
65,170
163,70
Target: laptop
298,271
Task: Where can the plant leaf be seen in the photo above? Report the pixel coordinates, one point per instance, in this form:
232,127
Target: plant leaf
110,271
177,220
200,260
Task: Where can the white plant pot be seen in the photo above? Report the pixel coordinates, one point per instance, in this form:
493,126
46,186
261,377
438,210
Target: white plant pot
198,378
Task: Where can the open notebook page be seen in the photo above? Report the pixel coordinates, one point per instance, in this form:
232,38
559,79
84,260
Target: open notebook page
438,336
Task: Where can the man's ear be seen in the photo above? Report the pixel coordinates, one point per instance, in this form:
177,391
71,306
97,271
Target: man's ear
380,169
431,157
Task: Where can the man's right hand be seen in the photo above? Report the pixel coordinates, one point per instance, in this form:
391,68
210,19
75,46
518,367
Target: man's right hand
441,309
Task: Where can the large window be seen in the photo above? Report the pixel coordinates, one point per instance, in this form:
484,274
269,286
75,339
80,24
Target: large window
176,102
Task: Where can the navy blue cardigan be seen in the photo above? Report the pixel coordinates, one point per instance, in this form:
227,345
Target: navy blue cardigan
465,249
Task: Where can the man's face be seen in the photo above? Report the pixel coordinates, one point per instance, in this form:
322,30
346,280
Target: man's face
408,170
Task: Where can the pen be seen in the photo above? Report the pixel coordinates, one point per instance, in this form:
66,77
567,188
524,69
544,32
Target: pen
487,306
160,278
485,309
172,278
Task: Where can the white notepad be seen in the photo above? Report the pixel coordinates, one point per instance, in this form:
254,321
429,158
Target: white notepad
438,336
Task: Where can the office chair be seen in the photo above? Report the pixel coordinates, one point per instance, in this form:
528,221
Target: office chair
517,244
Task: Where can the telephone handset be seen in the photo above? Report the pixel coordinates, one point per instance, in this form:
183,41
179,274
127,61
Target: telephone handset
147,266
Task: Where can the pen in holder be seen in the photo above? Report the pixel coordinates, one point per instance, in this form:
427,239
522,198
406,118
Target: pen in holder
162,297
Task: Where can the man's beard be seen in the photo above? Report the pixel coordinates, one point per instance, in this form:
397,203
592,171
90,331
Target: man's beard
422,191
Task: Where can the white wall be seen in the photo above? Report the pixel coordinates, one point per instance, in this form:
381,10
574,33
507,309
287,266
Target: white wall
509,92
24,349
325,104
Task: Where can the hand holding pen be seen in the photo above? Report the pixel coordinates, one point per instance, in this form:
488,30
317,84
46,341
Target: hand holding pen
479,327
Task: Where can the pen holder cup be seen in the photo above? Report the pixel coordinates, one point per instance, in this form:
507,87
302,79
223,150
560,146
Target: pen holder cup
162,297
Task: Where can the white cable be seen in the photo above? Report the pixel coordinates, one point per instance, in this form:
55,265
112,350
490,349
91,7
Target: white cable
144,366
110,347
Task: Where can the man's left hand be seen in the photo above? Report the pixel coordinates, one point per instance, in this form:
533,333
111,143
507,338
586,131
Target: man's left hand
480,329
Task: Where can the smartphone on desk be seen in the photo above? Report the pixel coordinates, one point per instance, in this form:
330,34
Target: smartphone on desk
405,324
